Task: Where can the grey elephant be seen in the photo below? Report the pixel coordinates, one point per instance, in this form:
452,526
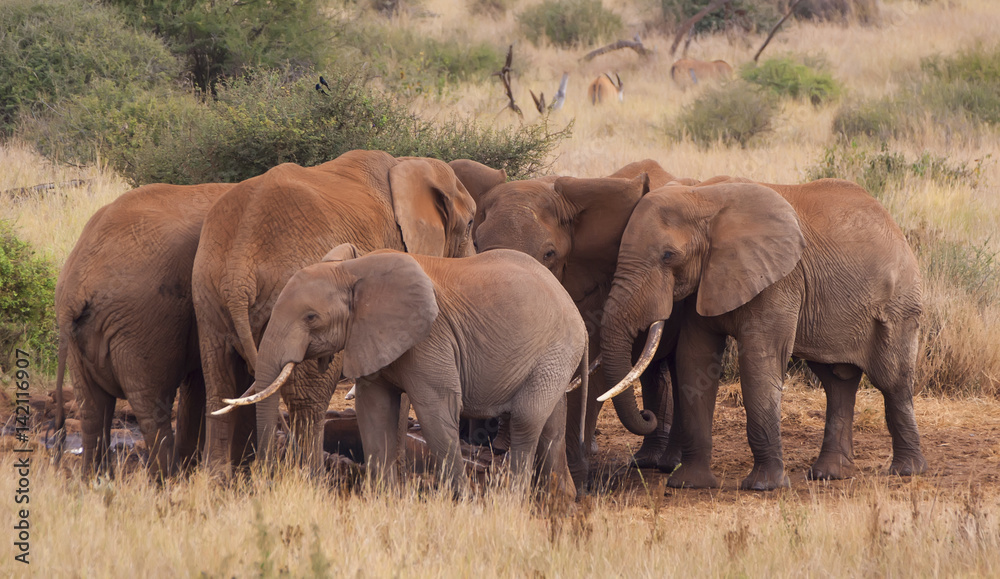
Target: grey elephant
126,321
574,227
475,337
270,226
819,271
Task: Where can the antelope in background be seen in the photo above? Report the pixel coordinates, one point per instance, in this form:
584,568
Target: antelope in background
689,72
603,87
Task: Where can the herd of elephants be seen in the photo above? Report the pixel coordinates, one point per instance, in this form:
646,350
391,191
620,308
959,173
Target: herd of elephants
478,297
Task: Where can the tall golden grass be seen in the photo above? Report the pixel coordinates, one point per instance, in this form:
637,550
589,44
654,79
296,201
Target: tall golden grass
872,526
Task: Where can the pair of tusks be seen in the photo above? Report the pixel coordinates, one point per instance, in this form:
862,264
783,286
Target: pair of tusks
652,343
246,400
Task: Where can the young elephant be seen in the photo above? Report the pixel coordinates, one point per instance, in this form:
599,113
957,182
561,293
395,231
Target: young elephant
476,337
819,271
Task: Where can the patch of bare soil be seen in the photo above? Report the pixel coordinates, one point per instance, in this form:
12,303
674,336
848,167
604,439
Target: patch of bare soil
960,439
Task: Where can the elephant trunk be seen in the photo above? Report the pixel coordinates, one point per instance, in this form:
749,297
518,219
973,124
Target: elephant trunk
617,336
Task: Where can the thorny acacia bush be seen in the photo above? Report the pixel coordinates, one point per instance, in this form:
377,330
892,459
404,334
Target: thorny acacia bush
27,295
569,23
735,113
269,118
54,49
787,77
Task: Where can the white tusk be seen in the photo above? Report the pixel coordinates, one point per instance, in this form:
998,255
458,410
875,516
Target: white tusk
652,342
590,370
350,393
255,398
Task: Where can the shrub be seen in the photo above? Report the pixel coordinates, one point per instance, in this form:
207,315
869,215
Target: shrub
27,298
968,82
53,49
414,64
220,39
875,170
112,122
491,7
269,118
785,77
734,113
569,23
880,119
749,15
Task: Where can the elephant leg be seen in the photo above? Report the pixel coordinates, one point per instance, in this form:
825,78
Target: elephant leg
892,373
762,375
439,426
699,355
190,420
576,454
836,458
551,452
670,459
656,397
307,399
98,409
218,364
153,414
377,404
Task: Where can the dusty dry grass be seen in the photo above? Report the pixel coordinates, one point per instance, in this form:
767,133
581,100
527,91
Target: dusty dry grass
942,524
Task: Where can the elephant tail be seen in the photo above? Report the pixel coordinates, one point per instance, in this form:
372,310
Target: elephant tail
239,311
584,384
60,420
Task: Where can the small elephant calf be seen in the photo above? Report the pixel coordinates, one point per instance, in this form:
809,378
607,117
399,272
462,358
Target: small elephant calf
476,337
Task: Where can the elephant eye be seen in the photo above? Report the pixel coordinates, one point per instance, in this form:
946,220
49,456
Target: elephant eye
667,255
469,227
549,254
311,317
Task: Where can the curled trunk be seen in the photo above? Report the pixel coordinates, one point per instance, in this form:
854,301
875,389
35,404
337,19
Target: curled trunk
617,337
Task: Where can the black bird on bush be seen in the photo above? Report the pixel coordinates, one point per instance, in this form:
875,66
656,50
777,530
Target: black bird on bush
322,81
319,89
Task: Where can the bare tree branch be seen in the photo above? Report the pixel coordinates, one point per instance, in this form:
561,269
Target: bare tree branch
504,75
687,26
635,44
791,8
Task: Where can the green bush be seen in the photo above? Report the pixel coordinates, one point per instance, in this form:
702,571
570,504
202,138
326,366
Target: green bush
569,23
269,118
493,8
112,122
876,169
220,39
786,77
734,113
968,82
53,49
751,16
880,119
27,298
413,64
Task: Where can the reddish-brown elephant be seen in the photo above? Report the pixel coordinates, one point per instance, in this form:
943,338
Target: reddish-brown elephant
126,320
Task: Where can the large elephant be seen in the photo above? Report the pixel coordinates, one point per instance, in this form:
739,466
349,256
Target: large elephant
574,227
819,271
476,337
126,320
267,228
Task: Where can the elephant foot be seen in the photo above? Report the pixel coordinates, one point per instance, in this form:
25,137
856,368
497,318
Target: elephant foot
831,467
766,478
669,460
650,452
592,451
693,477
909,465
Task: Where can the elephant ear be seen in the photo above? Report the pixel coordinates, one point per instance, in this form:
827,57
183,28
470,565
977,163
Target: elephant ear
342,252
602,208
754,241
477,178
429,202
392,309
